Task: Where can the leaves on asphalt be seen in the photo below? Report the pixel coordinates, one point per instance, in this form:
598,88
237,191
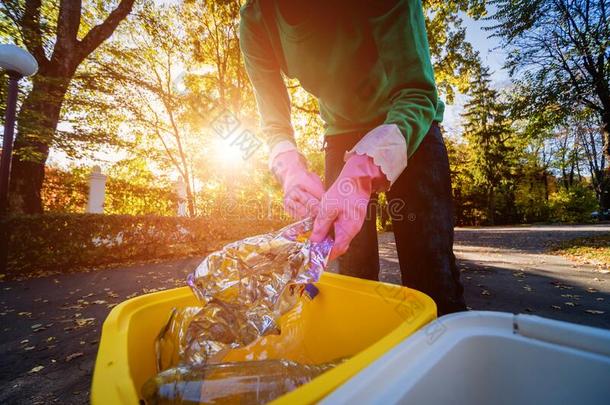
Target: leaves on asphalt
81,322
36,369
594,311
74,356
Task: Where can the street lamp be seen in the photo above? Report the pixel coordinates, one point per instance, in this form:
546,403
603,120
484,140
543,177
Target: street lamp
18,63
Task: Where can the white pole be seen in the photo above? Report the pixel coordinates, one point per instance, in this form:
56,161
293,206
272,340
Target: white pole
97,191
180,187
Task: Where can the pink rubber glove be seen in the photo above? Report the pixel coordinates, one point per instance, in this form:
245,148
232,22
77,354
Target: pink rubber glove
302,188
345,203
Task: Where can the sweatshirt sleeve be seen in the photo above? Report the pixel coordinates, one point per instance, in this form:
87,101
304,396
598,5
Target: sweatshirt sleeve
402,41
265,75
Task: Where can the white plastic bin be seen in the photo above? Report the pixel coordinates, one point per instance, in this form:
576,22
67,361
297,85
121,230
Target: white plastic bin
481,357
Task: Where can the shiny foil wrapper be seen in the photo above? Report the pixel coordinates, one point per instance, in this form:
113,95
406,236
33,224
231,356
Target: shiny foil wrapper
243,290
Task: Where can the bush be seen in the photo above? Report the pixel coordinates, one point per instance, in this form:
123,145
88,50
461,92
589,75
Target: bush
67,192
64,242
573,205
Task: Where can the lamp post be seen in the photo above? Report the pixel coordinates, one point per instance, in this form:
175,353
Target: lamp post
18,63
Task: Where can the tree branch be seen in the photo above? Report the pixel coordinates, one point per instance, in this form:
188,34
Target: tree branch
32,35
67,28
102,32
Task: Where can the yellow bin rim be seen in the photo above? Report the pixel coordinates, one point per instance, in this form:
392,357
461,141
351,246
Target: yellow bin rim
113,380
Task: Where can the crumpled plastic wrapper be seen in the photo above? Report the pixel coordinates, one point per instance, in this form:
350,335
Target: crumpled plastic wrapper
244,289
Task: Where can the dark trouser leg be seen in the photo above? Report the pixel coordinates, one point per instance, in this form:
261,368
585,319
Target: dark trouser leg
362,258
421,207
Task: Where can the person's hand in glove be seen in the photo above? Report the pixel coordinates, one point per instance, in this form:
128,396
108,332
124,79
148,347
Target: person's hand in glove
345,203
302,188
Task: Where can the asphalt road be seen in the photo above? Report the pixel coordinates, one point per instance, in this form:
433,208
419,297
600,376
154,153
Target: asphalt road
50,326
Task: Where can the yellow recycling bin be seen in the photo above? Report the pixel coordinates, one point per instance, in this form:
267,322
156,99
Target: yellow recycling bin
350,318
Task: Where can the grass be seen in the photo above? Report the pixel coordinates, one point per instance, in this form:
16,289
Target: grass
593,250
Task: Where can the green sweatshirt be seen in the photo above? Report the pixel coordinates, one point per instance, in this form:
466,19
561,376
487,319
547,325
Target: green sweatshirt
366,67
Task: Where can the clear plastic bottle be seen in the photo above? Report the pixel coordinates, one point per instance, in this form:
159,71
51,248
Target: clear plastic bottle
250,382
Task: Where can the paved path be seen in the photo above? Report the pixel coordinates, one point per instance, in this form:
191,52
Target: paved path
55,322
508,269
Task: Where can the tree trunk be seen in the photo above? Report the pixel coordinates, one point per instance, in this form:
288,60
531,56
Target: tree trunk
491,206
545,179
36,126
605,183
190,198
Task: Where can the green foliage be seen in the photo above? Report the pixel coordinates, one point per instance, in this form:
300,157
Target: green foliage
573,205
493,152
454,59
558,55
131,189
531,199
64,242
65,191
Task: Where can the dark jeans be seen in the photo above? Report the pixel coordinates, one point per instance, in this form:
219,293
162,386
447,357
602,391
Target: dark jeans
421,209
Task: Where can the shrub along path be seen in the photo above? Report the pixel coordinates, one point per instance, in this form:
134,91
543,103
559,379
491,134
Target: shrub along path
50,326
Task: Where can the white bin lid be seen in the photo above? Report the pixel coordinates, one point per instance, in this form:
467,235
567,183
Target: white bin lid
482,357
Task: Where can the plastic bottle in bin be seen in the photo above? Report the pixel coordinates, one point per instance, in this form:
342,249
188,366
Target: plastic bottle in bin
250,382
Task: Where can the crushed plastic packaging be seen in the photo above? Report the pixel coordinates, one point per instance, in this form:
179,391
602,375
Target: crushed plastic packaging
252,382
243,290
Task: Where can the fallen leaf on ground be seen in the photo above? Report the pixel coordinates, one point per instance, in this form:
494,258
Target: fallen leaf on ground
80,322
36,326
99,302
27,349
36,369
74,356
555,307
570,304
594,311
485,292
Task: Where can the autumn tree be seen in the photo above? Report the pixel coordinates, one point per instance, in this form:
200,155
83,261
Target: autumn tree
453,57
60,35
147,59
488,132
559,51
